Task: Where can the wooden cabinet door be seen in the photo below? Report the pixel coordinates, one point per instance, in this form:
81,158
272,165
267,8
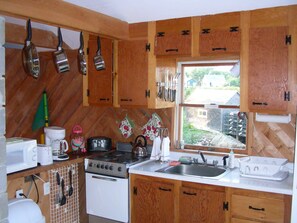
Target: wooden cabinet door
219,41
173,44
132,72
201,205
100,82
268,69
152,202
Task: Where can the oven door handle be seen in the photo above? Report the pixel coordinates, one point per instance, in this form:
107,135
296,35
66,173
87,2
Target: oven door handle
104,178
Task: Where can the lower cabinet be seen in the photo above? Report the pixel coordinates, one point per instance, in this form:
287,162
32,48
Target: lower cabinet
161,200
198,203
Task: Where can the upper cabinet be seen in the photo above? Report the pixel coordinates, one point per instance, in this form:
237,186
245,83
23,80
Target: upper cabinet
132,72
220,34
173,37
268,69
100,83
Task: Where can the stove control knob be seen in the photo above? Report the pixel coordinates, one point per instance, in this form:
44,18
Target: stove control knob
120,169
106,167
111,167
98,165
90,164
102,166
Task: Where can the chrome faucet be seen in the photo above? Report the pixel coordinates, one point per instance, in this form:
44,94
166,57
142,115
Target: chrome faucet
202,157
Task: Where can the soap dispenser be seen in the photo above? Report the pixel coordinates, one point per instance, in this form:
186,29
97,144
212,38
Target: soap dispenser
231,159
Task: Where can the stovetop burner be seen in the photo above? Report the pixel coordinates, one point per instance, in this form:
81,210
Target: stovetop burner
118,157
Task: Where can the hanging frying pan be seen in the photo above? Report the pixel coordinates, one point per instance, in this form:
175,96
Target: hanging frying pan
60,57
30,54
98,59
82,65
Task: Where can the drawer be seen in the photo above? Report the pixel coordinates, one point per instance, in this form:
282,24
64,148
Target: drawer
263,209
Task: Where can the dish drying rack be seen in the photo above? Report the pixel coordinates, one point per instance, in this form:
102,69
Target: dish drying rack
263,168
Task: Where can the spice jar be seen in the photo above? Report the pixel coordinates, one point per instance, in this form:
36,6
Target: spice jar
77,140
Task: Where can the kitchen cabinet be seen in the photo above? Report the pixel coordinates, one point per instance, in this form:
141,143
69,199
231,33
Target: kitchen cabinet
199,203
162,200
253,206
100,83
153,200
173,44
268,69
213,42
132,72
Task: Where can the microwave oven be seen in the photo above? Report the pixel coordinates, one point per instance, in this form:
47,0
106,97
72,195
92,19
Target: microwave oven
21,154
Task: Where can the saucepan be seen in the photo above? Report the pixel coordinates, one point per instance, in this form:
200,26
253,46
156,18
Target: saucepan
60,57
82,65
98,59
30,54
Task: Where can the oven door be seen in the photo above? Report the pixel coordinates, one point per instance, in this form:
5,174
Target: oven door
107,197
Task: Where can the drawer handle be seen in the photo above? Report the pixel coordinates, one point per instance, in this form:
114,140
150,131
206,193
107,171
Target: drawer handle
256,209
171,50
126,99
260,103
164,189
188,193
219,48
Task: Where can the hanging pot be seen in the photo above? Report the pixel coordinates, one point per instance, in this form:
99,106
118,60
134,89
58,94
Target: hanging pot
98,59
30,54
82,65
60,57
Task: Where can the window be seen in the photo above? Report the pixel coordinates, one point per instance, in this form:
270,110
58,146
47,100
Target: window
208,113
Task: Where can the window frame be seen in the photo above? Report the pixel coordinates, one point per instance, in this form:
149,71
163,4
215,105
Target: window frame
180,105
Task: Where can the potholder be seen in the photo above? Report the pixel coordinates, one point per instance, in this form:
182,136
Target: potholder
150,129
126,127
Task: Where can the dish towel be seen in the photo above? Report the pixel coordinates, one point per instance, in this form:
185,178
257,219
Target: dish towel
155,155
165,153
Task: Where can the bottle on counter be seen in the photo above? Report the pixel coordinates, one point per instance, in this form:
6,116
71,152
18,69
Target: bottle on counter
231,159
77,140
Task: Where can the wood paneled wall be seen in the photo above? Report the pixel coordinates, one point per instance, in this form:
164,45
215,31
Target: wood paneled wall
64,91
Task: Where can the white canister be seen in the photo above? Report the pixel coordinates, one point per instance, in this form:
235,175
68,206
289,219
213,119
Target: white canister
44,155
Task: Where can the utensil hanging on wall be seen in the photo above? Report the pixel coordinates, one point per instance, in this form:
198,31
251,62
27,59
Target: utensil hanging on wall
30,54
60,57
98,59
82,65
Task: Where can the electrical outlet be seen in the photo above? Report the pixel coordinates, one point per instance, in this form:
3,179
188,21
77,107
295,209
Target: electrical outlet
46,188
18,193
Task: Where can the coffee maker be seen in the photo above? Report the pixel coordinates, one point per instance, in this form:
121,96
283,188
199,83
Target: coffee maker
55,137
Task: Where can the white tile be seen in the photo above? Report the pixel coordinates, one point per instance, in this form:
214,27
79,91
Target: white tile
3,179
2,150
2,61
2,30
4,206
2,91
2,121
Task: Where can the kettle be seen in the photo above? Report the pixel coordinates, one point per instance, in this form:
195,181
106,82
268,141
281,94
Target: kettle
139,147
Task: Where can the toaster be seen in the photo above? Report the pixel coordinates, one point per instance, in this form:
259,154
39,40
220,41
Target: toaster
99,143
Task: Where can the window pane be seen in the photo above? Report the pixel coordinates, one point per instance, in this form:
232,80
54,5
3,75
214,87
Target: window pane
215,84
217,127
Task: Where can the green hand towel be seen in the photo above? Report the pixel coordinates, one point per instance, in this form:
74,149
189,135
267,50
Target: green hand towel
41,116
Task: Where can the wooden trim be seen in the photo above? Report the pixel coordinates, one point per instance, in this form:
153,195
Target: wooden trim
115,74
86,77
195,35
66,15
202,106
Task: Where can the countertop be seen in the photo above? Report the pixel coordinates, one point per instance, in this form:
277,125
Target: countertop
231,179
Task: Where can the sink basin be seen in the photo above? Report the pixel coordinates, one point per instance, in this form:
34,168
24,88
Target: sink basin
205,171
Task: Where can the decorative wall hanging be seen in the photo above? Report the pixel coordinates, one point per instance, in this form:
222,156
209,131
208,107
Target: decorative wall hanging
150,129
126,127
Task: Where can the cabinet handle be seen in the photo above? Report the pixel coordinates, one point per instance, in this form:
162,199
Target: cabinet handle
260,103
104,99
188,193
171,50
256,209
126,99
164,189
219,48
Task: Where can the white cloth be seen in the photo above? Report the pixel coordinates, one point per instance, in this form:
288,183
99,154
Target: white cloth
156,150
165,150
